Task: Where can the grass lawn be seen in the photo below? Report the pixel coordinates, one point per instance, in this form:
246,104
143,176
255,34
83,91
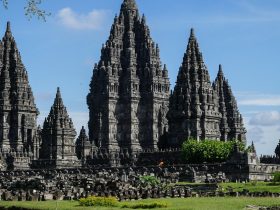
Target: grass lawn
174,204
253,186
238,187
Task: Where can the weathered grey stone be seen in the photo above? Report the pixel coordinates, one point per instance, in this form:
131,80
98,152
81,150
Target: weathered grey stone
199,110
18,112
231,125
129,91
58,136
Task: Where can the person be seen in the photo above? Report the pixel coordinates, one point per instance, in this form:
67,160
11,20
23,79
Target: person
161,163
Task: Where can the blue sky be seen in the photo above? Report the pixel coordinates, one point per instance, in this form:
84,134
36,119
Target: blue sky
242,35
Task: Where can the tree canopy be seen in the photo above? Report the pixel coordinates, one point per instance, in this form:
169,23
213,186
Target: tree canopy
32,8
277,150
209,151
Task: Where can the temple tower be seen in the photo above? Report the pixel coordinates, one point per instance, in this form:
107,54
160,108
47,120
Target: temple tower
194,107
129,91
83,145
18,112
58,136
231,126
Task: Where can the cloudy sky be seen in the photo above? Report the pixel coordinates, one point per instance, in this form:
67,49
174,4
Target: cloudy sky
242,35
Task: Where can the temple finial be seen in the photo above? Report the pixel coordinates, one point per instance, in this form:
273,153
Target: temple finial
192,32
58,98
8,29
129,5
143,19
192,38
58,91
220,72
164,67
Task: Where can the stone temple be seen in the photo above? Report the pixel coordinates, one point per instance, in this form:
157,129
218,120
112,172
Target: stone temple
129,91
199,109
18,112
135,119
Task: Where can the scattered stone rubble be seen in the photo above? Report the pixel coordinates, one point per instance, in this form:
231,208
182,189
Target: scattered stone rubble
124,183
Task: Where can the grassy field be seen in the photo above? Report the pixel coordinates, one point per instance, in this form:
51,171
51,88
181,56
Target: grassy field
253,186
238,187
174,204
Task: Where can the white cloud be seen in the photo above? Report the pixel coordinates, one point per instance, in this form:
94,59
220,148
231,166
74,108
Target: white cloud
257,99
260,102
264,137
249,13
93,20
255,134
41,118
43,96
79,119
266,119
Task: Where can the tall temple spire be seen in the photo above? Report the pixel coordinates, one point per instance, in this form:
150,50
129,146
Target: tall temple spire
83,145
193,112
232,127
16,98
135,81
58,134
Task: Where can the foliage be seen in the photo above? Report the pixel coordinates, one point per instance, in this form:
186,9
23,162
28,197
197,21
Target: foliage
5,3
146,205
251,148
32,8
276,177
277,150
209,151
99,201
149,180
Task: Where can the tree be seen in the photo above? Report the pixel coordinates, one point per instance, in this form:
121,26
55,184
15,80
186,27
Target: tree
209,151
277,150
32,8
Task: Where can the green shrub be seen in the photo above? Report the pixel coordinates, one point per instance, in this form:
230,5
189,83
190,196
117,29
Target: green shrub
276,177
209,151
254,183
145,205
99,201
149,180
